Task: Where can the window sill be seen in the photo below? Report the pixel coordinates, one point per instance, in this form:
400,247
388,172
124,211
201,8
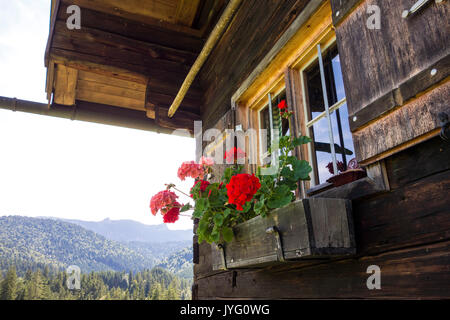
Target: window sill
354,190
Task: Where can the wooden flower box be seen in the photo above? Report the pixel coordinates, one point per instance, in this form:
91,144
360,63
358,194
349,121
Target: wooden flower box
347,177
305,229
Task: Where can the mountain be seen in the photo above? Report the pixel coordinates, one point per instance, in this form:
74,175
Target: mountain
179,263
132,231
158,250
60,244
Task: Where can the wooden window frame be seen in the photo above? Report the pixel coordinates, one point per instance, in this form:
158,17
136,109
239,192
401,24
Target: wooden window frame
247,101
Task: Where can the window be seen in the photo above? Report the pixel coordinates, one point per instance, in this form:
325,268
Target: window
270,120
326,157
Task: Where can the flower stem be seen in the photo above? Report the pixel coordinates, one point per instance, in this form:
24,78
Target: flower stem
182,192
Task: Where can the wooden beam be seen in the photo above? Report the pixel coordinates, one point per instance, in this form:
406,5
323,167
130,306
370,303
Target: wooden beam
159,13
213,39
186,12
408,125
65,85
135,30
55,6
71,60
113,50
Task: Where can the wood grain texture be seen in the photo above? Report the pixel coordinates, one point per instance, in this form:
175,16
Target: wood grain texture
156,12
65,85
405,91
342,8
417,118
418,162
375,62
146,32
309,228
253,32
413,273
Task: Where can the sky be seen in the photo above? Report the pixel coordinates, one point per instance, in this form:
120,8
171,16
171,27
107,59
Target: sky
71,169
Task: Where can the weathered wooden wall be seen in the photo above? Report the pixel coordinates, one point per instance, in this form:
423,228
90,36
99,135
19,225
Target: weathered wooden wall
406,230
253,32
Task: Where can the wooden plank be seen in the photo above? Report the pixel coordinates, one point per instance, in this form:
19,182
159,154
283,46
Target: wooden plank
418,162
112,49
411,88
109,99
413,273
375,62
342,8
136,30
410,215
258,25
309,228
354,190
86,85
65,85
113,81
156,12
69,60
55,6
50,80
186,12
413,120
285,50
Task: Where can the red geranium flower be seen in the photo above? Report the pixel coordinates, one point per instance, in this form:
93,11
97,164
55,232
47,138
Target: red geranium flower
191,169
162,200
203,186
173,214
241,189
206,161
282,105
237,153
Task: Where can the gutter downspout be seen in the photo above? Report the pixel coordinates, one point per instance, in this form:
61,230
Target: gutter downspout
213,38
97,113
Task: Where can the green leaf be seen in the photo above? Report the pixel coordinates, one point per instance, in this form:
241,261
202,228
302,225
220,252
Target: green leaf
215,236
218,219
197,213
301,140
302,169
247,206
259,205
202,204
282,196
202,227
227,212
186,207
227,234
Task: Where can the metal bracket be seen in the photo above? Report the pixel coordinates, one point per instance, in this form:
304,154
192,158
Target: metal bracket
416,7
14,104
221,248
274,230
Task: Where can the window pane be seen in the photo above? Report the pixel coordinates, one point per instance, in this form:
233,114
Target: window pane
345,151
338,81
322,149
265,124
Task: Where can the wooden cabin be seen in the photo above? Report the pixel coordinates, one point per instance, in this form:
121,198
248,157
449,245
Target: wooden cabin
385,66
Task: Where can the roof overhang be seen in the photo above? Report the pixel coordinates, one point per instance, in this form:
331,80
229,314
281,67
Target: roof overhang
129,56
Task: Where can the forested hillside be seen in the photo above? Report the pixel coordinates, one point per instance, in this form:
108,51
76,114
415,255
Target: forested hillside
43,284
179,263
30,242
